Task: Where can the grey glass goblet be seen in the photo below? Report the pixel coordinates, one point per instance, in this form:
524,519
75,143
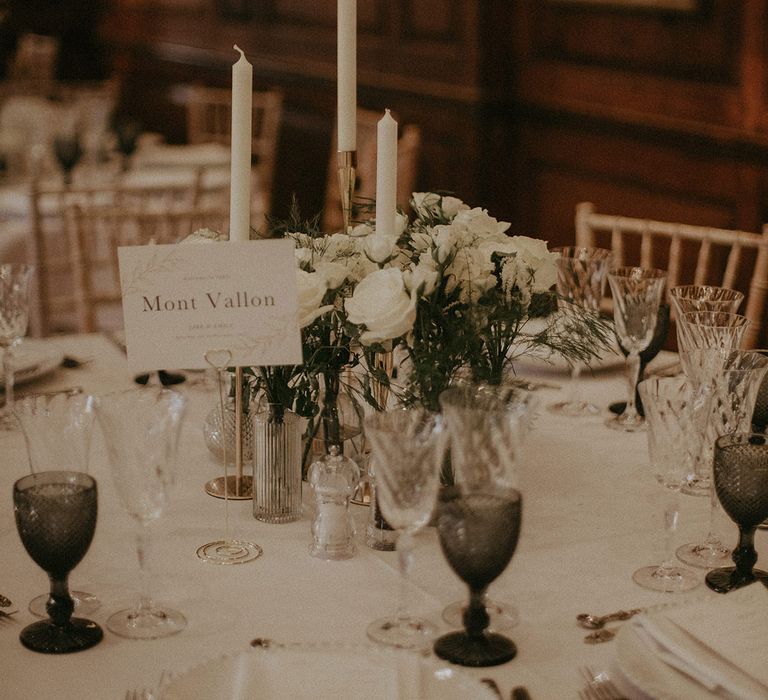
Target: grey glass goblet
741,483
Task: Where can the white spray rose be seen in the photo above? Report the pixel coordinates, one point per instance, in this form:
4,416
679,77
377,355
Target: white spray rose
381,303
311,287
379,248
334,273
532,254
444,239
423,277
451,206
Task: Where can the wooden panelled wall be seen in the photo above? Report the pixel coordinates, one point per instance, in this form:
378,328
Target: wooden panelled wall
527,106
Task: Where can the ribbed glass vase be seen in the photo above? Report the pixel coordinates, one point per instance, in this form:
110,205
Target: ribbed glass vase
277,465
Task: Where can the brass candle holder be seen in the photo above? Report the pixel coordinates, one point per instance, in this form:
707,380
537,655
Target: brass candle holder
347,164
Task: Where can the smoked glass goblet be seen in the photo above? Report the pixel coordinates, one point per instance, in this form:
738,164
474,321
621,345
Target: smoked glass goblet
408,446
57,430
672,439
741,483
478,535
56,518
637,294
141,431
581,279
14,315
487,426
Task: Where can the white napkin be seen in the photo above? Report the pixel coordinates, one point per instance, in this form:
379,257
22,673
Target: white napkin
720,643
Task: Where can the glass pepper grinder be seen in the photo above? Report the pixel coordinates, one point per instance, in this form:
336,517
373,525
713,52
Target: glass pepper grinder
333,479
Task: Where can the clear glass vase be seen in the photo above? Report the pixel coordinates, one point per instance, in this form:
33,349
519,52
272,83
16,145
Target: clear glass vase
277,465
217,430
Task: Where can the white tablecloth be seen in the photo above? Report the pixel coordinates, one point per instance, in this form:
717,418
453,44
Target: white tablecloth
591,516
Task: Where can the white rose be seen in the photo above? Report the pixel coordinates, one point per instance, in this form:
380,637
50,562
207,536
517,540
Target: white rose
379,248
473,271
401,223
205,235
444,239
311,288
532,253
361,230
334,273
451,206
303,256
479,223
381,303
422,278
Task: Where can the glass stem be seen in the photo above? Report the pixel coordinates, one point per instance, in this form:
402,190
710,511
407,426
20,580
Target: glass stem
60,604
143,549
574,388
8,378
745,556
405,559
712,540
633,372
476,618
671,512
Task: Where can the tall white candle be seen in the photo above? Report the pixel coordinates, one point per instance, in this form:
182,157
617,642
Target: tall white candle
386,175
346,89
240,173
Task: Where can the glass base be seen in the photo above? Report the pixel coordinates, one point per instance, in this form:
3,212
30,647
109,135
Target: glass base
229,552
85,604
722,581
151,624
503,616
625,423
573,408
47,638
403,633
486,650
697,486
672,580
704,556
8,421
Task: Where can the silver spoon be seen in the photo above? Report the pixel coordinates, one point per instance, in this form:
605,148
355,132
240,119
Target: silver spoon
596,622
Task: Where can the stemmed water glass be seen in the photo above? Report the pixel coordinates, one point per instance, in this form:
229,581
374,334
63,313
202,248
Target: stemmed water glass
14,314
487,426
408,445
68,151
581,278
733,393
478,533
57,430
741,483
687,298
56,518
672,438
141,429
637,294
760,414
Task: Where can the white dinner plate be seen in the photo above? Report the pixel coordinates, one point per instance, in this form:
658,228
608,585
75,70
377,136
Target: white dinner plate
641,675
34,361
309,672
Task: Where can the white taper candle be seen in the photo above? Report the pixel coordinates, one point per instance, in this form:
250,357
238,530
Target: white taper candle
240,173
346,90
386,175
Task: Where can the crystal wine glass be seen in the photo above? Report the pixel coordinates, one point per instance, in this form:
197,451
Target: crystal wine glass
478,534
14,314
56,518
687,298
141,429
760,414
741,483
637,295
57,430
487,426
408,445
672,437
732,402
581,279
68,151
718,331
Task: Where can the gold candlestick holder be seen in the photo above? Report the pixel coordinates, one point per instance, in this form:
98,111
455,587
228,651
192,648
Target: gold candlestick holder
347,164
239,486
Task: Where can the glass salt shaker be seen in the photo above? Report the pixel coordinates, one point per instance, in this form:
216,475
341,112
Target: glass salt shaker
333,479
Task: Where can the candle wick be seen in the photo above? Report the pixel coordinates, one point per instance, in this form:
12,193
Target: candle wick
242,53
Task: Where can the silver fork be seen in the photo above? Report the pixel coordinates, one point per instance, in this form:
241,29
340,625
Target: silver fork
599,686
6,617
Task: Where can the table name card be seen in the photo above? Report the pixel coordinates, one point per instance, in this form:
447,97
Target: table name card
181,301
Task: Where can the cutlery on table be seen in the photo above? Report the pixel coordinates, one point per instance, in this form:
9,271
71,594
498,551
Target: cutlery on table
600,636
520,692
5,617
5,602
493,685
596,622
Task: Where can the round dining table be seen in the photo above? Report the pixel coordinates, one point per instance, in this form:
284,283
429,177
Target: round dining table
592,514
